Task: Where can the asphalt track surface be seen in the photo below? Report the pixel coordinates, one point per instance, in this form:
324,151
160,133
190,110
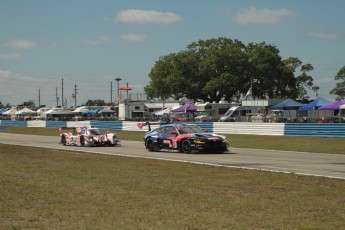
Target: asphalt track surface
303,163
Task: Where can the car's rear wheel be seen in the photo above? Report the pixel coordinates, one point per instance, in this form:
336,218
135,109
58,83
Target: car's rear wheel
63,140
82,141
150,145
186,147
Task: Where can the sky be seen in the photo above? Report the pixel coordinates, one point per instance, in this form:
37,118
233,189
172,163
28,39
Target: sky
47,46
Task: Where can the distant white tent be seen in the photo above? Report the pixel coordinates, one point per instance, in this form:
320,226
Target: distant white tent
43,110
26,111
162,112
11,111
165,111
80,109
58,111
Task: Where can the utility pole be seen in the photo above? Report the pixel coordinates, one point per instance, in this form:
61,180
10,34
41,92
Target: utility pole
118,86
57,98
62,93
74,95
111,92
39,98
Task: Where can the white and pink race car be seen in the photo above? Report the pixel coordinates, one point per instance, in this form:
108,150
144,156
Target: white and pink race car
87,136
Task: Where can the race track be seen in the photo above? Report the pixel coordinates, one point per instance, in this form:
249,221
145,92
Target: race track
313,164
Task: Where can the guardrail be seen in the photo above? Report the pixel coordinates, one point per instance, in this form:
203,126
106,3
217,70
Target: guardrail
272,129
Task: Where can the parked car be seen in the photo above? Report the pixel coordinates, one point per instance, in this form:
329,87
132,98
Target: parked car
87,136
179,118
183,137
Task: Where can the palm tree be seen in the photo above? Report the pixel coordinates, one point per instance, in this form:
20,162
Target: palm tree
315,89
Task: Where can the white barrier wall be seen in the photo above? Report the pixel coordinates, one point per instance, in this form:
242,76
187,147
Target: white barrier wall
78,123
33,123
273,129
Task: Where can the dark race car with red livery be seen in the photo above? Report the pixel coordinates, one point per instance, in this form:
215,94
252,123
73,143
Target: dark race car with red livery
185,138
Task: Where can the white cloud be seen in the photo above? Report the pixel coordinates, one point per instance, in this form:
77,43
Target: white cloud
147,16
8,75
10,56
98,41
323,36
263,16
134,37
20,44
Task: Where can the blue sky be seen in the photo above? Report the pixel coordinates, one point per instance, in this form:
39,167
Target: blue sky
90,43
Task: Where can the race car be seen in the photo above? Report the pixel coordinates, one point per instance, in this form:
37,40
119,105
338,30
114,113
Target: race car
185,138
87,136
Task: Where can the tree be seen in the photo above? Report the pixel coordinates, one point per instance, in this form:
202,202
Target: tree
267,72
30,104
97,102
303,81
339,89
316,89
217,69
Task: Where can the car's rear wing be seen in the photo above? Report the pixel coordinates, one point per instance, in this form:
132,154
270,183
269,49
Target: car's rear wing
147,123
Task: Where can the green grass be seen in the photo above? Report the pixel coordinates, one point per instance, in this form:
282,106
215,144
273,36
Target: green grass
50,189
303,144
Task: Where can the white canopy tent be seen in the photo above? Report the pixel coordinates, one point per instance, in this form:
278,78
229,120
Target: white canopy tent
26,111
11,111
58,113
166,111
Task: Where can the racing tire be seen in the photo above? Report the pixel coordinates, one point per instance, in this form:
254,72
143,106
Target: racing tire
82,141
150,145
186,146
63,140
179,148
114,141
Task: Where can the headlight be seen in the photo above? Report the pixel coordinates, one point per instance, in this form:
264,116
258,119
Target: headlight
90,139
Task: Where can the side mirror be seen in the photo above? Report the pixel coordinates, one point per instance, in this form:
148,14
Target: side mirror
206,131
173,132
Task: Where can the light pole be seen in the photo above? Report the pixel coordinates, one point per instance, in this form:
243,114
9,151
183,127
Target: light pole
118,86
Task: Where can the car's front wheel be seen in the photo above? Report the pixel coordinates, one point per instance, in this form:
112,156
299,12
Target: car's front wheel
63,140
150,145
82,141
186,146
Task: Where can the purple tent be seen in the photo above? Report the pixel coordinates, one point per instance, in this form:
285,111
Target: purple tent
333,106
188,107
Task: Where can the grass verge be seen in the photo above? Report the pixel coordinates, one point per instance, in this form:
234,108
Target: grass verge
302,144
49,189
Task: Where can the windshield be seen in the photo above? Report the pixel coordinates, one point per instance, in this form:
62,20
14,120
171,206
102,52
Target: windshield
95,132
184,129
228,112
